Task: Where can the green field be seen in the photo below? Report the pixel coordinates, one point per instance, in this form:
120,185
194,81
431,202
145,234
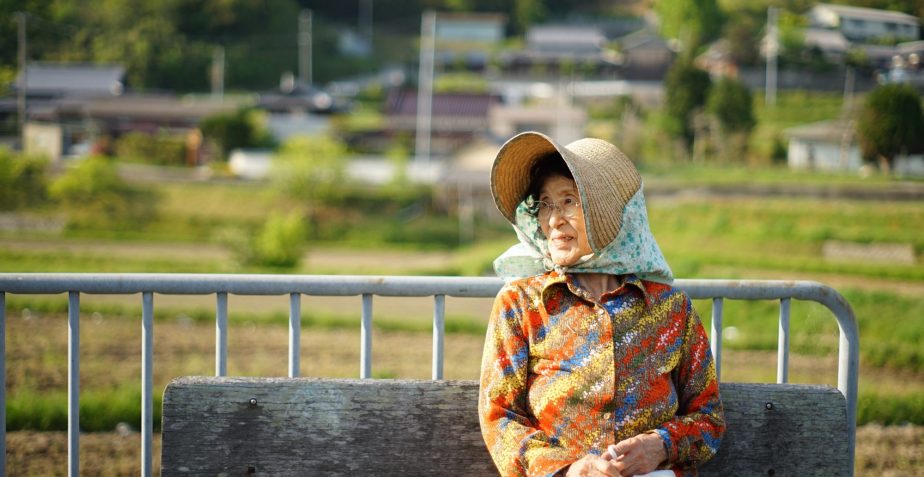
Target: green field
703,236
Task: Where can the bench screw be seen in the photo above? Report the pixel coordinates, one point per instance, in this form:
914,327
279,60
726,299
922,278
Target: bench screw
769,406
252,402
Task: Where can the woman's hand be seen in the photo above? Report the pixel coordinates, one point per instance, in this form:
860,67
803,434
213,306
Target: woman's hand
593,466
639,455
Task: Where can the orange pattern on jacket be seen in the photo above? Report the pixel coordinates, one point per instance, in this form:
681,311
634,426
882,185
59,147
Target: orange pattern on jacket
563,375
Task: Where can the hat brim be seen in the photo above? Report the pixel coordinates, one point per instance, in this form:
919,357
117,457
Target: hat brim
510,172
605,178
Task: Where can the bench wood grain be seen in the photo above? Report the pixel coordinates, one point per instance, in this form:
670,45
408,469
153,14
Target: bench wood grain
309,426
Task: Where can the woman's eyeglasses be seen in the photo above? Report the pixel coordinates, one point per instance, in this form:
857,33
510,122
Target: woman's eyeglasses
568,207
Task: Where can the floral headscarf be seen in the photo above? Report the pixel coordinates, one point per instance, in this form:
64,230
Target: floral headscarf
634,250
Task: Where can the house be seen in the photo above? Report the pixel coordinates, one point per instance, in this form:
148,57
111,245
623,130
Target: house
467,39
824,146
456,118
72,126
831,43
560,121
562,49
645,55
45,83
832,146
864,25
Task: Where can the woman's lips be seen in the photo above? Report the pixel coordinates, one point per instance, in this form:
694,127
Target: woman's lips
561,240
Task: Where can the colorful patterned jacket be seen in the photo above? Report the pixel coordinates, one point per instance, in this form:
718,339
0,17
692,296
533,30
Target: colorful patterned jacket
563,375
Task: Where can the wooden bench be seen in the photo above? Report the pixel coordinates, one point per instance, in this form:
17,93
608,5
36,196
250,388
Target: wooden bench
308,426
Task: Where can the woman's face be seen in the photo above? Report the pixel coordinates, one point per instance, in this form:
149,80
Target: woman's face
566,235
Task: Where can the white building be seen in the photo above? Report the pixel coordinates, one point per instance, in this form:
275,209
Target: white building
832,146
823,146
864,24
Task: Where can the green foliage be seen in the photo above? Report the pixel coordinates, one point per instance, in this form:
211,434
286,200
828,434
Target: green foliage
460,83
686,89
241,129
310,168
281,242
693,22
278,243
731,103
93,195
23,180
100,410
528,12
161,148
891,123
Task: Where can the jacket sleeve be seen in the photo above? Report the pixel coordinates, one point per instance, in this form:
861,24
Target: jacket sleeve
517,446
693,436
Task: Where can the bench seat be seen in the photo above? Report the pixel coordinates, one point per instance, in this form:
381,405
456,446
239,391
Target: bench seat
310,426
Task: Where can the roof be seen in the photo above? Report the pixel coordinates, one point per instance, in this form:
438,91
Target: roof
869,13
565,37
404,102
642,38
831,131
73,79
830,40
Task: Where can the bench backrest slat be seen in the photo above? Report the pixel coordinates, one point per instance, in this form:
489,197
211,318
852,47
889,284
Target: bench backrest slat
308,426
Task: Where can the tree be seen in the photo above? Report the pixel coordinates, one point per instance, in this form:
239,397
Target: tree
686,90
730,102
731,106
691,22
891,123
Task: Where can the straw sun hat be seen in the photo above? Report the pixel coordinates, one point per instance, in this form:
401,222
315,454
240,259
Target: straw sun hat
606,180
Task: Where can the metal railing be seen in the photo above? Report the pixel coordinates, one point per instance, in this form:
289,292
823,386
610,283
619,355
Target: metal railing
367,287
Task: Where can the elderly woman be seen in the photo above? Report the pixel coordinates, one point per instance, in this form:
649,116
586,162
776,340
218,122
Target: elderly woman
593,364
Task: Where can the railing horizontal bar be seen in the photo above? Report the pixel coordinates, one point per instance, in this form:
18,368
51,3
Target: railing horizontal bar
204,284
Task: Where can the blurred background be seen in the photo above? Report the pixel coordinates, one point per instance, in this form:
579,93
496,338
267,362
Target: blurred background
777,139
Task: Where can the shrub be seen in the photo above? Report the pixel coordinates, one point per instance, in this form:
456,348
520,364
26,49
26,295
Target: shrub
161,148
93,195
280,243
23,180
310,168
244,128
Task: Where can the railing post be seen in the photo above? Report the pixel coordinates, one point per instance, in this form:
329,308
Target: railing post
716,338
295,333
3,382
782,351
365,339
221,334
73,384
147,383
439,331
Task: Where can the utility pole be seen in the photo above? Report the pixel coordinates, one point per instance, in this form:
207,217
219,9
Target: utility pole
425,87
304,46
218,73
773,48
365,20
23,80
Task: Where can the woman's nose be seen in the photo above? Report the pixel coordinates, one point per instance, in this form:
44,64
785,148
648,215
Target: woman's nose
556,218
